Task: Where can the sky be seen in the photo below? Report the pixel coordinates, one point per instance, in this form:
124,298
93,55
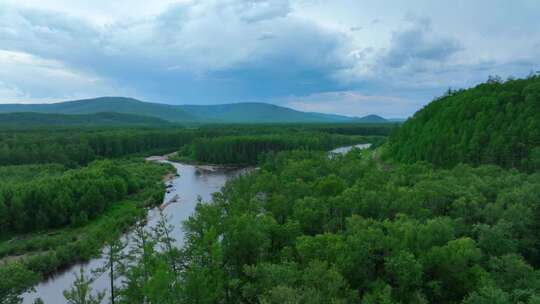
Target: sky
349,57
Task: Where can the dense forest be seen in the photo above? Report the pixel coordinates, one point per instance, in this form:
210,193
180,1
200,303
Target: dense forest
248,149
497,122
67,191
73,147
307,228
57,200
413,227
370,129
79,146
34,120
71,213
446,211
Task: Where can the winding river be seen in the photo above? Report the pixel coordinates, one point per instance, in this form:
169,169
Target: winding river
185,189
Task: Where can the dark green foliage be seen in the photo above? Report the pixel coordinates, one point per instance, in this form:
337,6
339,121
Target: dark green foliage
30,119
72,147
61,205
15,279
25,173
65,198
363,129
72,198
306,228
248,149
103,189
492,123
78,147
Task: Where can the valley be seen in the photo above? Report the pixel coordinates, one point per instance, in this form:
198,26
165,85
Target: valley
425,211
269,152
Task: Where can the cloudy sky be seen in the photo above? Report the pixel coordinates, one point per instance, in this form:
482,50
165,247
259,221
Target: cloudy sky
352,57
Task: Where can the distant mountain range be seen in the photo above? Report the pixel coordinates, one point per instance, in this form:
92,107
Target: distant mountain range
223,113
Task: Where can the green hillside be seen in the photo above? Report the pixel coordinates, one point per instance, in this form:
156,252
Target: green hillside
371,119
257,112
105,104
224,113
29,119
493,123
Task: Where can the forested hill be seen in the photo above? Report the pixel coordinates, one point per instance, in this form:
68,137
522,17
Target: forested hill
223,113
104,104
31,119
372,119
493,123
267,113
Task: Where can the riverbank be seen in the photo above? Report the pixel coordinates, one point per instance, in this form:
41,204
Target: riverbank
187,189
184,192
48,253
203,167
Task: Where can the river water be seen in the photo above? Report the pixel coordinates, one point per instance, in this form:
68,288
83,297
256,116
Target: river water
343,150
185,190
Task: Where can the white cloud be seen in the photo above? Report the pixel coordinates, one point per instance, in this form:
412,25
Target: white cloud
352,103
194,35
252,50
97,12
27,78
190,41
254,11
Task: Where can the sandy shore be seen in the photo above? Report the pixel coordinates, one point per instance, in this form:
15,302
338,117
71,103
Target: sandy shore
160,157
156,158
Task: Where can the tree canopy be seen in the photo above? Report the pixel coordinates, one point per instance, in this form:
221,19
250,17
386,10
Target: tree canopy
493,123
307,228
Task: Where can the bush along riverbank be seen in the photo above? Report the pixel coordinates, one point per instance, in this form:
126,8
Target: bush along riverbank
96,210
